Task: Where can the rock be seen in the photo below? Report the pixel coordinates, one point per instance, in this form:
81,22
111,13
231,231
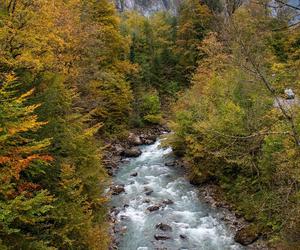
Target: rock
119,149
247,235
170,164
118,189
132,152
134,140
148,191
146,201
110,172
167,202
126,205
163,227
114,212
149,142
134,174
124,217
153,208
183,237
150,137
161,237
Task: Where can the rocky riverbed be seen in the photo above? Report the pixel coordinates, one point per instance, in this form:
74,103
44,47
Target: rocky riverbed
152,202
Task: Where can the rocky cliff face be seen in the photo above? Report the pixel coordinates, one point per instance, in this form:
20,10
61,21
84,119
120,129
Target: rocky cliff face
148,7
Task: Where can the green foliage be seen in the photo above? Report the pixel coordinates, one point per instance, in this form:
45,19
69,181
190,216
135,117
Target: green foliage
229,131
23,202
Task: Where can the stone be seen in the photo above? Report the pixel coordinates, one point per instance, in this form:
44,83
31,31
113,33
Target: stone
146,201
132,152
167,202
118,189
149,142
124,217
161,237
163,227
119,149
134,174
153,208
134,140
247,235
150,137
183,237
170,164
148,191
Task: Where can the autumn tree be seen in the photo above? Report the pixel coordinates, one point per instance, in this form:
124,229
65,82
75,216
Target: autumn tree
25,204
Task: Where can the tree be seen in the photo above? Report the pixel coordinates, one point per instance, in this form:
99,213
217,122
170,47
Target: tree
24,203
193,26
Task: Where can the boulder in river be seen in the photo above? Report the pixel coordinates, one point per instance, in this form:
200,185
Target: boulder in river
149,142
247,235
161,237
150,137
167,202
118,189
153,208
183,237
134,174
119,149
170,164
146,201
132,152
134,140
148,191
164,227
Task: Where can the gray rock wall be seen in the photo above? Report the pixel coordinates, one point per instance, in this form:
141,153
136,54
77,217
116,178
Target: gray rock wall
148,7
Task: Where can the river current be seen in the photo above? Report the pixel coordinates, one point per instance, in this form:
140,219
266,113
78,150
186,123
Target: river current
182,222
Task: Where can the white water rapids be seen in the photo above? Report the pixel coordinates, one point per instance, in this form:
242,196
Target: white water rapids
194,226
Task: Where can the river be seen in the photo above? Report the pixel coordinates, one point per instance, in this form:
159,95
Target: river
182,221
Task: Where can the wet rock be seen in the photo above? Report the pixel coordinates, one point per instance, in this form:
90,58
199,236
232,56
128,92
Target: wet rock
132,152
149,142
118,189
120,229
126,205
146,201
183,237
150,137
134,174
170,164
247,235
124,217
134,140
163,227
153,208
161,237
114,211
167,202
148,191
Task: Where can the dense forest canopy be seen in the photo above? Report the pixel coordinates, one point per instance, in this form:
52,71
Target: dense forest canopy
76,73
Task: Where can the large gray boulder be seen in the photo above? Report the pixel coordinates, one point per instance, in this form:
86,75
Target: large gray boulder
134,140
132,152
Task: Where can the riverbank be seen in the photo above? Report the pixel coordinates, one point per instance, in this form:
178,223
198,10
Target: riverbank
208,193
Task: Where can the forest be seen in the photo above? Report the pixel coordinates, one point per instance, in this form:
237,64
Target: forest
222,75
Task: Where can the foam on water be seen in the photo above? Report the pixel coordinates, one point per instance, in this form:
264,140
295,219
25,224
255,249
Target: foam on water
194,225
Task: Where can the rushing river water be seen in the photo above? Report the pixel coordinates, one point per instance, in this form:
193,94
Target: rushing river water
188,223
